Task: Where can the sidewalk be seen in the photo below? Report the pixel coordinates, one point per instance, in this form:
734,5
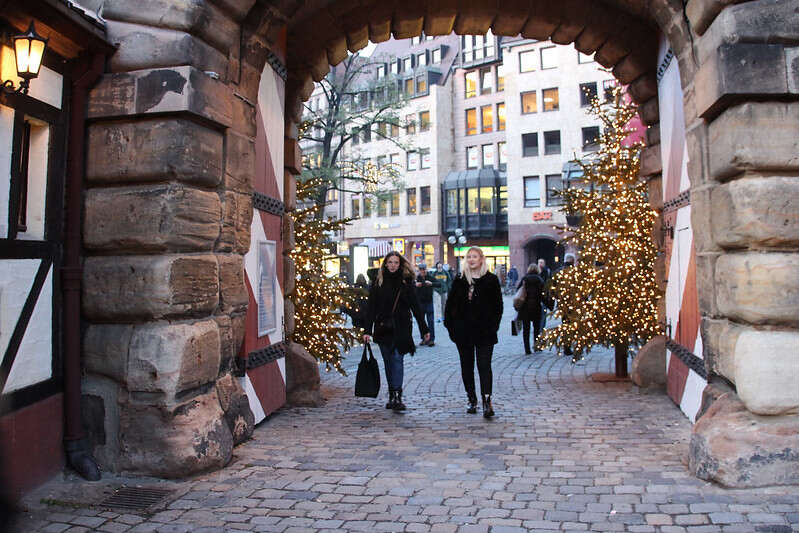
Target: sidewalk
562,454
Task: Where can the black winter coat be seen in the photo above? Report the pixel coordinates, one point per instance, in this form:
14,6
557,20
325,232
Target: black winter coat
476,322
534,289
381,300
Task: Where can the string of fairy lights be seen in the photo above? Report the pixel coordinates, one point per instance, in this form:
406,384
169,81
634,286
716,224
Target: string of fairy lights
319,325
610,296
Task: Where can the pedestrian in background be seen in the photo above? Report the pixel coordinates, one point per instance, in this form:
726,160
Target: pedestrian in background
472,317
546,275
361,294
392,299
531,309
513,277
425,283
444,279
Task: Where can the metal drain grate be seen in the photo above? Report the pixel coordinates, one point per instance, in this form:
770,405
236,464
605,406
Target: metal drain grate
135,498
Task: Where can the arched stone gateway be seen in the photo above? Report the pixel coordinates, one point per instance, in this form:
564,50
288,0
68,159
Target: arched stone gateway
170,219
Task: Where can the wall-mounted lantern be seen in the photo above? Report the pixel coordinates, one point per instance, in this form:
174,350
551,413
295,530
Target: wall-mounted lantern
28,53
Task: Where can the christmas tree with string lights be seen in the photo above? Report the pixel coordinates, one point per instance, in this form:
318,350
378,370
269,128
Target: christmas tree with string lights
609,297
319,325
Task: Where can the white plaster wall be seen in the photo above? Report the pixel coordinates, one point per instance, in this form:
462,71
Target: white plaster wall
48,87
271,102
37,181
6,135
569,119
33,362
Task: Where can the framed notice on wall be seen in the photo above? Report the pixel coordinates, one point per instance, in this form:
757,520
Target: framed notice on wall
267,289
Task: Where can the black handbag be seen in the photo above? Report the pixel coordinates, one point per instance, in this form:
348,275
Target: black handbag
367,380
385,327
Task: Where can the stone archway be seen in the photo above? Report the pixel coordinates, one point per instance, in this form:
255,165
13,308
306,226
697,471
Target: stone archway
186,210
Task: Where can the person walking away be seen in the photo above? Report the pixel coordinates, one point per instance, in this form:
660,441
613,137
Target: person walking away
546,275
513,276
472,317
532,307
425,283
358,311
392,299
444,280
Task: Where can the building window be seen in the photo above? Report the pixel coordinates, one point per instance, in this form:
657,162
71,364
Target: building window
381,129
332,195
407,64
366,134
501,116
411,206
503,199
410,125
381,71
421,59
416,40
461,201
436,56
551,101
502,148
487,118
452,202
607,89
527,61
500,78
395,203
356,136
587,93
367,207
395,160
381,161
356,207
421,84
529,144
382,207
424,121
413,161
472,201
590,138
551,142
486,200
395,67
554,186
467,44
532,192
473,157
424,154
471,122
424,193
488,155
549,57
395,130
529,103
486,81
470,80
409,87
585,58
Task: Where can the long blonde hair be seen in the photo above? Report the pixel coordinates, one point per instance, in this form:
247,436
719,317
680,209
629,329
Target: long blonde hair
468,273
405,269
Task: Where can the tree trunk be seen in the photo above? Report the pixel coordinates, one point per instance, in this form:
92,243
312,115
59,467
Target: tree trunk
621,359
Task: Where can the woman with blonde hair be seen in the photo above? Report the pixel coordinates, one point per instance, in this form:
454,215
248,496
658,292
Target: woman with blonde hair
392,299
472,317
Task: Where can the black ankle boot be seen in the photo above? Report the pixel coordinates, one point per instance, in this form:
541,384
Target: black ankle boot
392,399
488,411
472,409
398,405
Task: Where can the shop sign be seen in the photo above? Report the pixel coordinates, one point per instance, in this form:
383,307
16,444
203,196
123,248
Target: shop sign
399,246
542,215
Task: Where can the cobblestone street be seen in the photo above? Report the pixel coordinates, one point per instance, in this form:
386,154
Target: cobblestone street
563,453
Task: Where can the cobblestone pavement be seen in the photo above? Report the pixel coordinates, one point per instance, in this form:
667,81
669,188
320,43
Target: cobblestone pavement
564,453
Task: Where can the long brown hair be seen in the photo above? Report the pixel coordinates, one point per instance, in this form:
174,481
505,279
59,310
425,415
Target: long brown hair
405,268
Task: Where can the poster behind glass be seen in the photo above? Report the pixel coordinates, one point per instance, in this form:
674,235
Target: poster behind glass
267,299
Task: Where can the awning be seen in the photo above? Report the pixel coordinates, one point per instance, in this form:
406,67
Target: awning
377,248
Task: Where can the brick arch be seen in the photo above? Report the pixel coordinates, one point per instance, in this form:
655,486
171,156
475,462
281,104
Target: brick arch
623,36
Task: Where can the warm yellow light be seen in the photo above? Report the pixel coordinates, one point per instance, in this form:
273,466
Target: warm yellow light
29,49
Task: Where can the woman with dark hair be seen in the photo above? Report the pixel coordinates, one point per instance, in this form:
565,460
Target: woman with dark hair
472,317
531,309
392,299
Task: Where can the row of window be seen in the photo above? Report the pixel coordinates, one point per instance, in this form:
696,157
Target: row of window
390,206
483,80
532,190
407,64
419,122
477,201
552,141
477,47
485,156
486,119
545,58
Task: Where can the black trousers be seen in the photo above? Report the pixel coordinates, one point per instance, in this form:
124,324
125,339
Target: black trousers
467,354
526,331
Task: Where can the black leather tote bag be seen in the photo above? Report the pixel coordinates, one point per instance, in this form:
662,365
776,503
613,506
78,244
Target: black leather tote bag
367,379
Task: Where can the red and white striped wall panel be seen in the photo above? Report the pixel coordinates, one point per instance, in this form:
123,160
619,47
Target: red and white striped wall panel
264,379
685,367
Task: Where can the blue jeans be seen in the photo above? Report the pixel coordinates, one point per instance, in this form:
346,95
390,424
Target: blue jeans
393,362
430,317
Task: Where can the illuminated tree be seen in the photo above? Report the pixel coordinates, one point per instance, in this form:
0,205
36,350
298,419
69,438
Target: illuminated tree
319,324
610,296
